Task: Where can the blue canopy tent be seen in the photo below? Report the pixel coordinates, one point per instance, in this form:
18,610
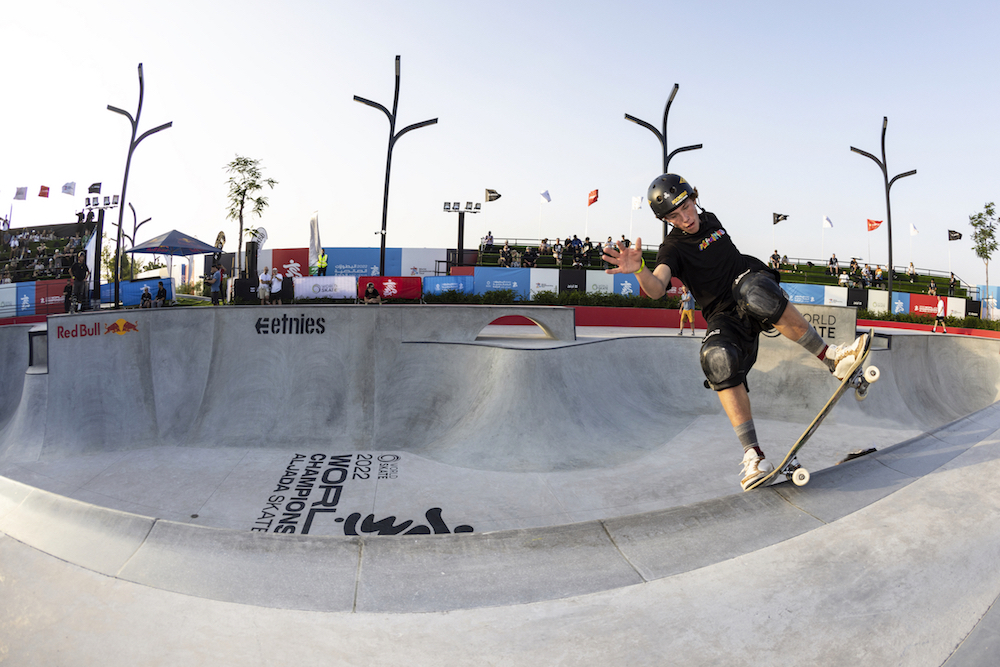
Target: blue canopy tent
174,243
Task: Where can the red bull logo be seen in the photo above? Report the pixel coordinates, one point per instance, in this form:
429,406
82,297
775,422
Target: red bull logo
120,327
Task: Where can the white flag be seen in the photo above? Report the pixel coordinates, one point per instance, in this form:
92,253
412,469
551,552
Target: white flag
69,189
314,243
636,203
913,230
21,193
827,222
546,197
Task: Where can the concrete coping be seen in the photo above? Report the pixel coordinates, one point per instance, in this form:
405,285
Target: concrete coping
405,574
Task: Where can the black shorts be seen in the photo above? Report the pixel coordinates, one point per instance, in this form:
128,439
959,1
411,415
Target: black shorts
739,331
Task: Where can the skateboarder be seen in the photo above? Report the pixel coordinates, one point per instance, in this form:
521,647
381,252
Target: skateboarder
739,297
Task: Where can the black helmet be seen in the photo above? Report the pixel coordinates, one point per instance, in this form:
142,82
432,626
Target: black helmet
668,192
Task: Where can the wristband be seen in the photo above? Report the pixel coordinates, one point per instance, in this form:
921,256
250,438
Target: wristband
641,267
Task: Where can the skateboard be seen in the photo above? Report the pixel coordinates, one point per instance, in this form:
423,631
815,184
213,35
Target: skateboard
858,378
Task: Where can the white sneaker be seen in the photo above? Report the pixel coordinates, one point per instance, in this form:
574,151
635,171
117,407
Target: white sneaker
754,467
837,355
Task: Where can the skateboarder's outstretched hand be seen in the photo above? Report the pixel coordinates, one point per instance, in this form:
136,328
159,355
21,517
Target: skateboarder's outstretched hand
625,260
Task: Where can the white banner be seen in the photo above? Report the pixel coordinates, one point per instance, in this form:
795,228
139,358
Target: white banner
326,287
835,296
421,261
544,280
956,307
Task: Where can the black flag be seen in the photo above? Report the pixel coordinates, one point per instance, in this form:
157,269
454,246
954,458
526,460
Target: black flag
94,189
953,235
492,195
778,217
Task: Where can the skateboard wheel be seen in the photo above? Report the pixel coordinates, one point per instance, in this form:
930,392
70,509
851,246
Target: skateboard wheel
800,477
872,374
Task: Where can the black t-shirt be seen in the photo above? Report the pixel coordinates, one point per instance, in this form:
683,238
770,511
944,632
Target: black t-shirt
78,271
371,293
707,262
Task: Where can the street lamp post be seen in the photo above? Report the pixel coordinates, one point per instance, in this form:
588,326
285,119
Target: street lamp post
662,136
888,184
133,143
393,138
131,239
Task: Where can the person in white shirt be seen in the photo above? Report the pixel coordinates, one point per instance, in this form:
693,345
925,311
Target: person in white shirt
940,317
264,287
276,279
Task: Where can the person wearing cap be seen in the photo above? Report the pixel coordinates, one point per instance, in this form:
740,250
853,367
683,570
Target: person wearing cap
145,299
216,283
372,295
161,296
81,273
740,298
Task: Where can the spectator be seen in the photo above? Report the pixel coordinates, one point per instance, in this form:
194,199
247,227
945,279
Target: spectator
264,287
80,274
557,253
489,242
952,284
216,284
372,295
775,262
625,243
854,266
784,259
878,275
506,257
834,265
843,281
161,296
866,276
576,244
515,259
588,251
530,258
67,297
940,316
544,248
932,288
145,299
276,285
687,309
910,271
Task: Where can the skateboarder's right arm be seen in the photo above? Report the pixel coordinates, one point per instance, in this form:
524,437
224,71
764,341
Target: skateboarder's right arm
654,282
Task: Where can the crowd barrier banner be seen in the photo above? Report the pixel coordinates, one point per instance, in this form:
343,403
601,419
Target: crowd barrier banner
923,304
391,287
901,303
857,297
835,296
544,280
955,307
489,279
442,284
326,287
25,299
878,301
421,261
130,292
8,300
626,284
598,281
805,294
362,261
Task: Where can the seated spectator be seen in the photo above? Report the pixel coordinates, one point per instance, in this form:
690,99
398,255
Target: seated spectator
588,251
530,258
625,243
161,296
515,259
932,288
557,253
544,248
784,259
854,266
506,257
910,271
843,280
372,295
834,265
877,280
5,277
775,262
145,299
866,276
578,261
576,244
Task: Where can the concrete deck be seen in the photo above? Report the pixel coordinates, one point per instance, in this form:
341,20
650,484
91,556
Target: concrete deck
583,496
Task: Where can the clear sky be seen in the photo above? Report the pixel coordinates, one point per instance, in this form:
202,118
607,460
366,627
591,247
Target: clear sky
530,97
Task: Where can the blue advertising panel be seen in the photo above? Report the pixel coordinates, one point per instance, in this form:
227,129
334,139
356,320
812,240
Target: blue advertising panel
363,261
900,303
490,278
807,294
441,284
25,299
626,284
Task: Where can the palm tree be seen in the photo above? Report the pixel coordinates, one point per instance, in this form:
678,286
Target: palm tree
245,181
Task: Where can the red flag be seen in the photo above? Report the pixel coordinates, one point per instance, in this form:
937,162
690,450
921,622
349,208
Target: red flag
592,198
44,192
873,224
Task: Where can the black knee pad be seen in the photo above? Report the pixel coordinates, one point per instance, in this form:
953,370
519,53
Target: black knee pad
720,362
759,295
